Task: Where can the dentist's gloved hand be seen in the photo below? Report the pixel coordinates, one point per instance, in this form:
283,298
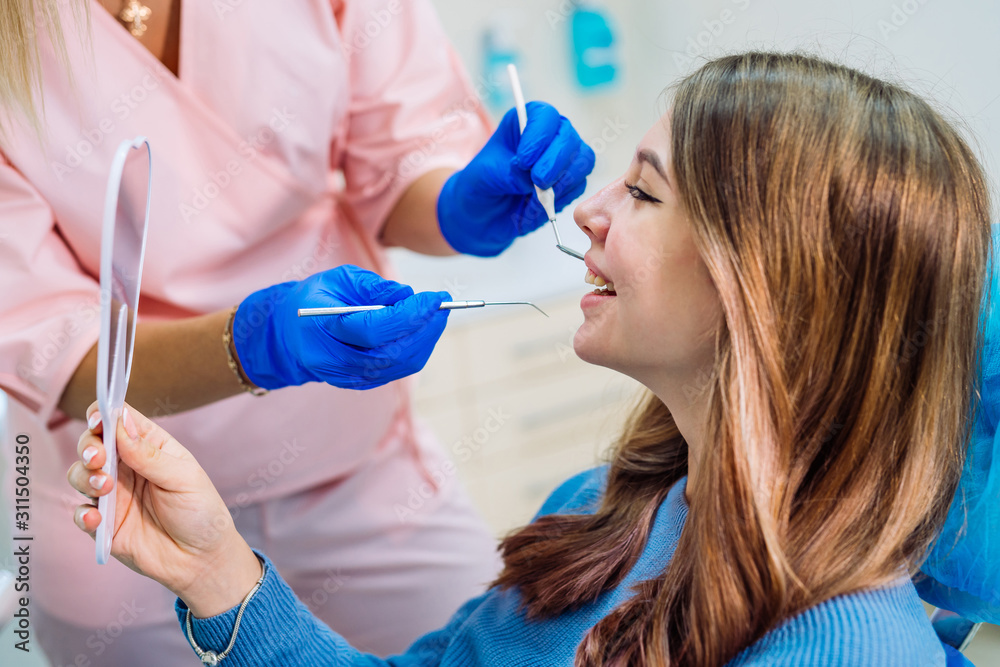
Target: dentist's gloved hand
277,348
484,207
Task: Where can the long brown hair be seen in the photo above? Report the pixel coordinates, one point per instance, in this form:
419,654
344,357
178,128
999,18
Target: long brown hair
846,227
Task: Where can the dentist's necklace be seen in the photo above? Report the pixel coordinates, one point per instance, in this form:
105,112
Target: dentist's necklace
132,15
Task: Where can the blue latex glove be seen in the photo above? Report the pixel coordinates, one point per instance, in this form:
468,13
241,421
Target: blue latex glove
484,207
277,348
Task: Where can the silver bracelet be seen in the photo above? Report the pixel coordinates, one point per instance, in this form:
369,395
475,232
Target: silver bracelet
211,657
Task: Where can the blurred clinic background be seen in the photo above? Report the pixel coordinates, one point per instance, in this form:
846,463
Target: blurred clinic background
515,408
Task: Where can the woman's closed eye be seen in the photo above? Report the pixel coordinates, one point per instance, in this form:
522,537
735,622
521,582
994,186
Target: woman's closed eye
638,193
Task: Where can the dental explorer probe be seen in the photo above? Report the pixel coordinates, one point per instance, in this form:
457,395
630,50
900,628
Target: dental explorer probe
547,198
445,305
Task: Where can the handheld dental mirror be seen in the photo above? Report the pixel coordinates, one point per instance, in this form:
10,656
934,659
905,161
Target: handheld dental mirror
123,245
547,198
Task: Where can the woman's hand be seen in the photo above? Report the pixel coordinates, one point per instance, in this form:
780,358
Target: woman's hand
170,523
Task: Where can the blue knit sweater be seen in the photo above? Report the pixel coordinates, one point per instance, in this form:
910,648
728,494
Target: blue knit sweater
878,628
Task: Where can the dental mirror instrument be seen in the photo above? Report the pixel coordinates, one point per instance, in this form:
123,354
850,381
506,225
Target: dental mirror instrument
123,246
445,305
547,198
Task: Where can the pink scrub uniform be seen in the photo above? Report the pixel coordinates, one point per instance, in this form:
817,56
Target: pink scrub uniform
292,131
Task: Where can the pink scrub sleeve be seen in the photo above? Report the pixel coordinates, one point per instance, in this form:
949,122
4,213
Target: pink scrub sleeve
49,306
412,107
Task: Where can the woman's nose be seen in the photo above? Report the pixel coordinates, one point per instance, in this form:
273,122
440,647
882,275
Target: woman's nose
594,215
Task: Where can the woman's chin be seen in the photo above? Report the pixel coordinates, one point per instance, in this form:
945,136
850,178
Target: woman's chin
589,347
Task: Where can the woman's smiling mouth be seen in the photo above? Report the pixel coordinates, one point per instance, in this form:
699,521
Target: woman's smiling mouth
603,286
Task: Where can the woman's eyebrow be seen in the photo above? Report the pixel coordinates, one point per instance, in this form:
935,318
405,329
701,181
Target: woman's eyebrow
650,158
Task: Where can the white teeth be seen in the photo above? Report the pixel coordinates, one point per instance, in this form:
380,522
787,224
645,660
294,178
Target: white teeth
601,284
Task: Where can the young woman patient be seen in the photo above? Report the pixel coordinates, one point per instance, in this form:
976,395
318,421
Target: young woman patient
794,263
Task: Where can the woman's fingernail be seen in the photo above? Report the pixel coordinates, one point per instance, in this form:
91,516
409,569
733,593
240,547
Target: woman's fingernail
89,453
94,420
130,428
97,481
78,516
